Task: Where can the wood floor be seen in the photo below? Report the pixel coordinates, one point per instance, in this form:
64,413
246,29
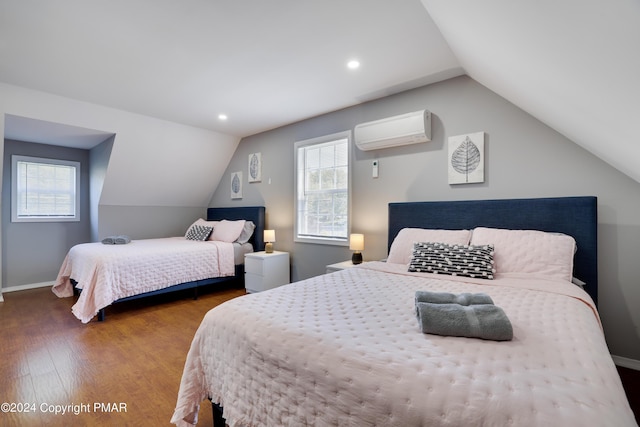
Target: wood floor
133,360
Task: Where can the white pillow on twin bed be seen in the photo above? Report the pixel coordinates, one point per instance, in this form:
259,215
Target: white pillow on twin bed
227,231
529,251
402,247
247,232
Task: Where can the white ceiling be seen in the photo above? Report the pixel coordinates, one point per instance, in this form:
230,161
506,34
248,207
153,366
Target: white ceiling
263,63
573,64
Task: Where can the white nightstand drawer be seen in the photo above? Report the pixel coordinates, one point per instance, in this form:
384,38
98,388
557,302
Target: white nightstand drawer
254,265
255,283
265,271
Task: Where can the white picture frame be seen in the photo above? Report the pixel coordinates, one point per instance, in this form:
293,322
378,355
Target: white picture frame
236,185
254,167
466,158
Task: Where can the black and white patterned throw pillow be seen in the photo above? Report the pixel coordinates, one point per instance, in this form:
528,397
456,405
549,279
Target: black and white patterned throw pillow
454,260
198,232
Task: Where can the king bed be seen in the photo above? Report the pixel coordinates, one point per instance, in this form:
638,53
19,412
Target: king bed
211,252
352,348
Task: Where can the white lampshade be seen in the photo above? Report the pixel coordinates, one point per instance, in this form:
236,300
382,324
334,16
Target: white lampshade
356,242
269,236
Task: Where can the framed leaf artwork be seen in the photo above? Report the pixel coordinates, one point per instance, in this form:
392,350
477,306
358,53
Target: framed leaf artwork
255,167
466,158
236,185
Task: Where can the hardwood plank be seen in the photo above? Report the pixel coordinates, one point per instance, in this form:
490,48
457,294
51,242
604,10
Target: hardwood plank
134,358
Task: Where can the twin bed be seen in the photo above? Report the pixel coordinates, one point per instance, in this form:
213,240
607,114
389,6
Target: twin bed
111,273
346,348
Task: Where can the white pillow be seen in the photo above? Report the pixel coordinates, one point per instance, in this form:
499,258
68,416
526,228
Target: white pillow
227,231
247,232
529,251
402,247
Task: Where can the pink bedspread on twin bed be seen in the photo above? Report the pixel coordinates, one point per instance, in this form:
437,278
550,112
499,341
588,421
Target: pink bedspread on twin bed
345,349
106,273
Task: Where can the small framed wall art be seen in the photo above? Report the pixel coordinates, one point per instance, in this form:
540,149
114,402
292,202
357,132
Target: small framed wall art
236,185
255,167
466,158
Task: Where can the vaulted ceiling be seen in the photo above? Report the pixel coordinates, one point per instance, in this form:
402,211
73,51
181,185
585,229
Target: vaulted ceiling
574,64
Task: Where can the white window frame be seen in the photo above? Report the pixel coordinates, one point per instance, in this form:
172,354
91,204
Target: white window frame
299,190
16,217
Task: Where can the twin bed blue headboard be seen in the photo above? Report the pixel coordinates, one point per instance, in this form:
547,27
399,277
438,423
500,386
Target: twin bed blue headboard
575,216
249,213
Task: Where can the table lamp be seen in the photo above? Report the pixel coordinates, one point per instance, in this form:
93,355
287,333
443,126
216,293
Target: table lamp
356,244
269,238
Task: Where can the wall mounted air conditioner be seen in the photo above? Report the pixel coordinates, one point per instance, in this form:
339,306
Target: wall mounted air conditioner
405,129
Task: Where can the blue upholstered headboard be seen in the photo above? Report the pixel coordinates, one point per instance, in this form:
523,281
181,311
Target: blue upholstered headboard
249,213
575,216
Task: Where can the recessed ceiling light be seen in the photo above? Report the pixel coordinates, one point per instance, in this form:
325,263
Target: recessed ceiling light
222,117
353,64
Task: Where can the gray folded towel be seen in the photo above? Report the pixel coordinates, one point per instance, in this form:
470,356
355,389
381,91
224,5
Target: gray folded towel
485,321
116,240
122,240
111,240
449,298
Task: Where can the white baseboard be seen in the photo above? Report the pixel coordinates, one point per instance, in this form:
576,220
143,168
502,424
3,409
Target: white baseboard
27,286
626,362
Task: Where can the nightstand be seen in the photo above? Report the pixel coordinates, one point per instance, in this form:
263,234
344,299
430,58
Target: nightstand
264,271
340,266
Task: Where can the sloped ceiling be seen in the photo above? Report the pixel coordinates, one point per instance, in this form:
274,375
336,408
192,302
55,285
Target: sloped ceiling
572,64
43,132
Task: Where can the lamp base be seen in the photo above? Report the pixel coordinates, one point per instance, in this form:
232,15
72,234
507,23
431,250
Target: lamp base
268,247
356,258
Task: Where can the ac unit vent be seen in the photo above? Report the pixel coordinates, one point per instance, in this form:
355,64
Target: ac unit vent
405,129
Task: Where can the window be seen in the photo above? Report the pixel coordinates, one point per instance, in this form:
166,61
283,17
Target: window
44,189
323,190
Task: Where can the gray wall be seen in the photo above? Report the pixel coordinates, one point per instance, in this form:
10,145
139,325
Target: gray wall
138,222
98,162
524,158
147,222
32,252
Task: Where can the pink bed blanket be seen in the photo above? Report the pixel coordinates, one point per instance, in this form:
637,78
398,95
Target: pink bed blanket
106,273
346,349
